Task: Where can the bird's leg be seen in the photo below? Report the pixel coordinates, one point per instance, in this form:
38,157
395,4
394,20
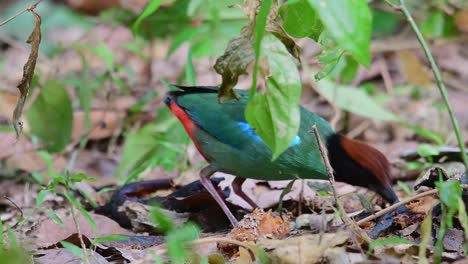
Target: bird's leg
237,189
205,175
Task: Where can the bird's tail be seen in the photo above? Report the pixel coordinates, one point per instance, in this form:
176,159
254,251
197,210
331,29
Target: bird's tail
183,90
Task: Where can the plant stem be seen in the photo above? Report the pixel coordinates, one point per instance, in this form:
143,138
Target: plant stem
438,77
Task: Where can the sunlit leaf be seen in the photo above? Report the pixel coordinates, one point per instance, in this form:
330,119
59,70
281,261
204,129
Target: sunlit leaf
190,74
74,249
176,242
275,114
259,32
427,150
350,23
152,6
449,191
300,19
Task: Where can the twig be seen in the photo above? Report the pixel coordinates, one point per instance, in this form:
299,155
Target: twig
16,206
80,235
396,205
346,219
29,8
402,202
437,75
331,176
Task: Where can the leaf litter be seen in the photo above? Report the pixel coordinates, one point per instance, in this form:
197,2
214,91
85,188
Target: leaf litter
315,228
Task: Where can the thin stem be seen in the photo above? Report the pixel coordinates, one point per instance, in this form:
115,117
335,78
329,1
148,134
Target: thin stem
29,8
400,203
438,77
344,217
80,235
395,206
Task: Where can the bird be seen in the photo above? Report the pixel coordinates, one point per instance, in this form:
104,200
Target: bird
230,145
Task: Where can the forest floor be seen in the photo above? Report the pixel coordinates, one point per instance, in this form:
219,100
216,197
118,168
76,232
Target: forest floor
307,227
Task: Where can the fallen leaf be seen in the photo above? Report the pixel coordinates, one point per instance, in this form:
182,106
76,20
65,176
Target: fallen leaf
62,255
461,20
102,124
49,232
11,146
453,240
317,248
414,71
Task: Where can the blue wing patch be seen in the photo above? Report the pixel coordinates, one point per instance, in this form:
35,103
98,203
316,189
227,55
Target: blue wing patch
251,132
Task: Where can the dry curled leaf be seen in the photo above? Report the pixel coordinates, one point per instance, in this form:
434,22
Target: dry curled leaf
28,71
233,63
317,248
240,53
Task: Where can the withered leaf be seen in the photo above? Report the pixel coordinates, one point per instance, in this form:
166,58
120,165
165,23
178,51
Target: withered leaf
240,52
28,72
233,63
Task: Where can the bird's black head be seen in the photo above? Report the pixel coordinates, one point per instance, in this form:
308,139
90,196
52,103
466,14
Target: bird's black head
357,163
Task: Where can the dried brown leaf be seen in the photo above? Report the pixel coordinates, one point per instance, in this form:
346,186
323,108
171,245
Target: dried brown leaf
240,53
414,71
28,72
233,63
317,248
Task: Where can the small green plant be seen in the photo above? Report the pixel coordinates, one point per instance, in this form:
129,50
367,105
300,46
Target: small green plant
178,238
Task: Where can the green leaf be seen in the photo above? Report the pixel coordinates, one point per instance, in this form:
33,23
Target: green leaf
259,32
78,206
74,249
354,100
438,25
330,56
425,133
384,22
405,188
385,241
350,24
283,193
109,238
15,256
300,19
463,218
12,238
2,243
54,217
275,114
156,144
177,239
50,116
426,234
104,52
40,197
182,36
152,7
193,6
427,150
164,223
82,177
449,191
190,74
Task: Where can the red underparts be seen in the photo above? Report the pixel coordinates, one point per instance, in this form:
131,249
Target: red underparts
187,122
